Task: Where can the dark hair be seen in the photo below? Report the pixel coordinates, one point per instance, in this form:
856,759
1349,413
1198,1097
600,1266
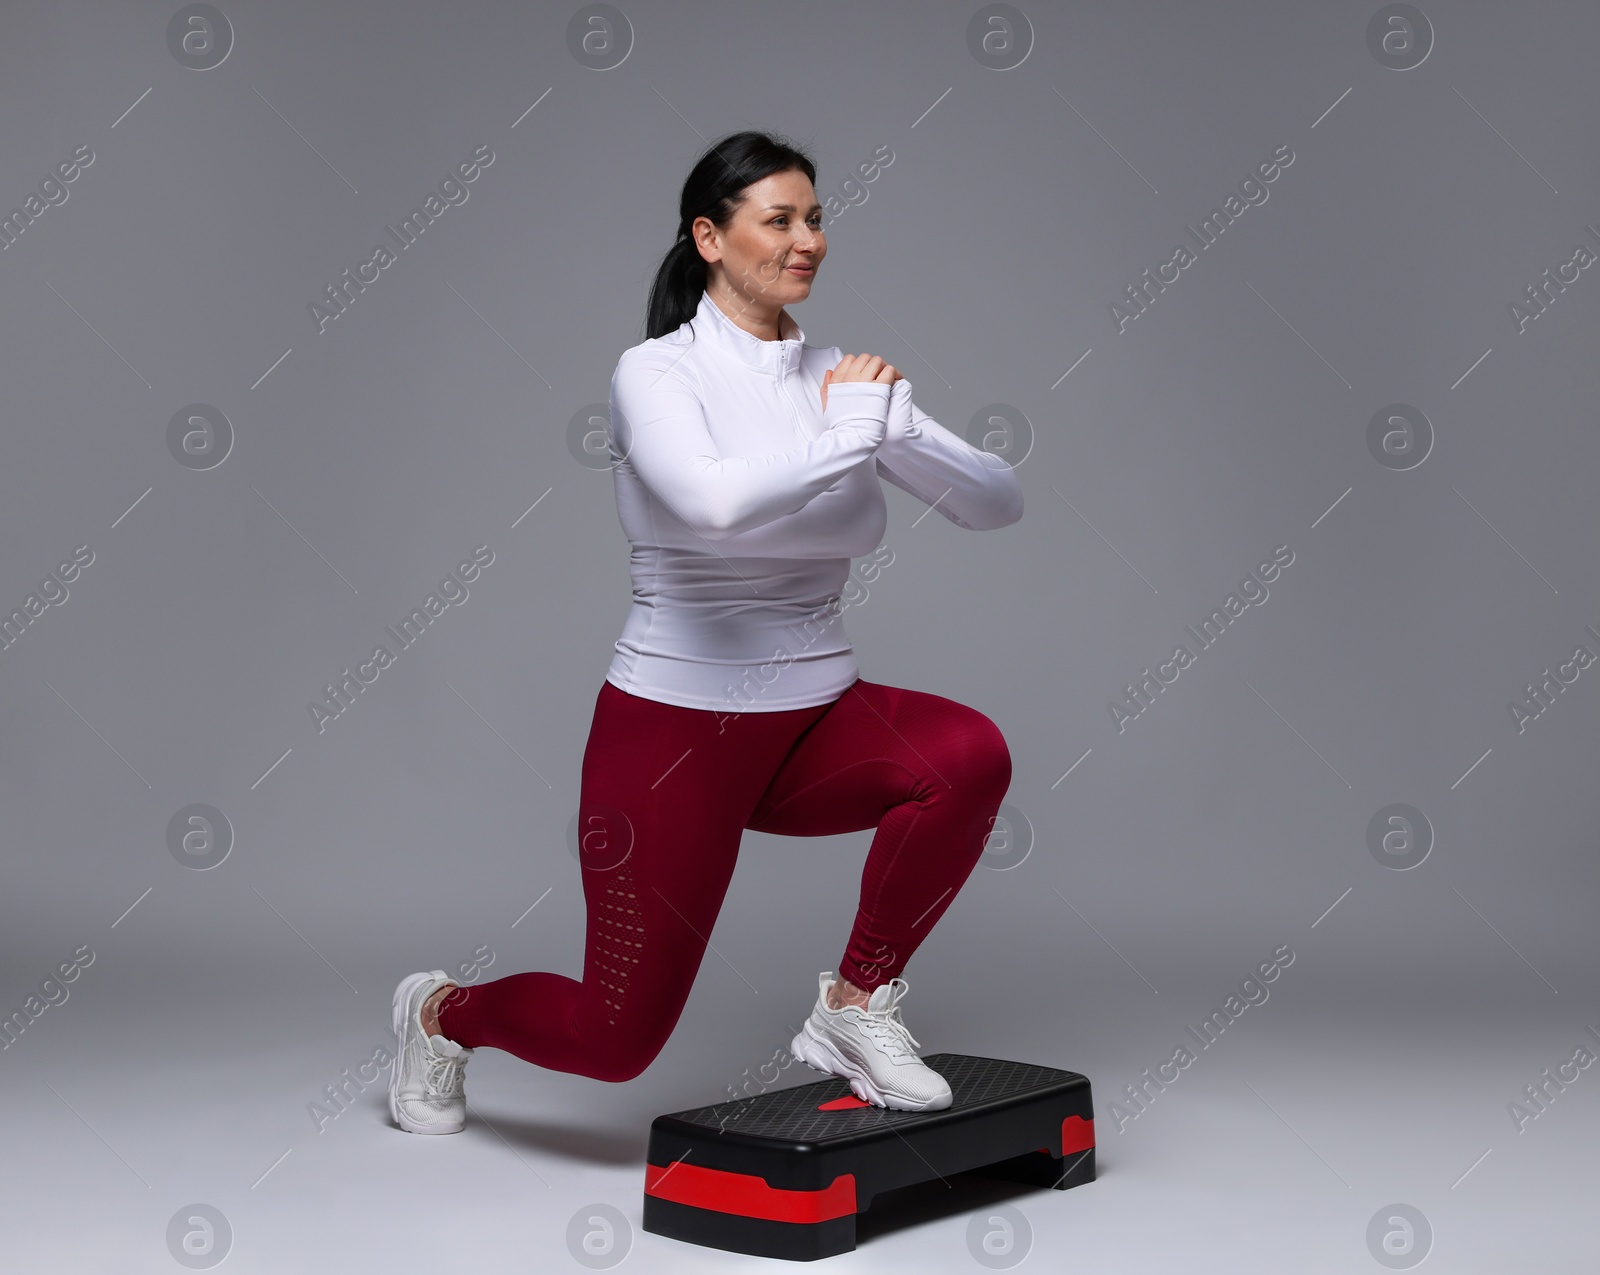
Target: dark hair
714,189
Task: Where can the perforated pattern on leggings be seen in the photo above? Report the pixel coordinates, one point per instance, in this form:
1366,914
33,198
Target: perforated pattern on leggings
620,934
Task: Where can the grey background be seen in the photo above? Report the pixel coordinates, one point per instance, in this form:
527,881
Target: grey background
368,460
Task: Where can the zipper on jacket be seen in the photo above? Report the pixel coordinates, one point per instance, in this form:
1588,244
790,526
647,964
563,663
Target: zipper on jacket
783,385
793,410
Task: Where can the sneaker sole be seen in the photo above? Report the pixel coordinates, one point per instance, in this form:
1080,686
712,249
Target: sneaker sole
817,1052
397,1020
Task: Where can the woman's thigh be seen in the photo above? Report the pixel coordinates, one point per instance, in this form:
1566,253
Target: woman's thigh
876,747
654,774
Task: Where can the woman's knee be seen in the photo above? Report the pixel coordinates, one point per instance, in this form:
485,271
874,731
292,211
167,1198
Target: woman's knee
624,1051
976,749
622,1067
620,1061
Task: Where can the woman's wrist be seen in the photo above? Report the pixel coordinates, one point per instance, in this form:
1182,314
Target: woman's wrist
847,400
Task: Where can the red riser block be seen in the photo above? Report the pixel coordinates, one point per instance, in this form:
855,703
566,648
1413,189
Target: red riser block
726,1192
1077,1134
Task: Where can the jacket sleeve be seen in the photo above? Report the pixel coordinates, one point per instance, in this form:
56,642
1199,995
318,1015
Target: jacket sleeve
974,489
659,427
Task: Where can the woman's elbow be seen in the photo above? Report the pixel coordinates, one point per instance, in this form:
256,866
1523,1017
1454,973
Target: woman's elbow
712,521
708,529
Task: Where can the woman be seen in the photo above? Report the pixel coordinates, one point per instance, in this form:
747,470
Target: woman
733,699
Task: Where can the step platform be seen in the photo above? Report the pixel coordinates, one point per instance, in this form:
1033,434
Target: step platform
784,1174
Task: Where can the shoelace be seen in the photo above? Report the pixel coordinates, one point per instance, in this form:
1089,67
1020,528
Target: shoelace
888,1028
443,1076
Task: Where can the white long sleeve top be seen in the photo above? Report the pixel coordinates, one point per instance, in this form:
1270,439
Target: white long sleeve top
744,502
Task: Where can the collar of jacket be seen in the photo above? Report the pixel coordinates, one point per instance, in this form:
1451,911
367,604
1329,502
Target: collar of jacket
775,357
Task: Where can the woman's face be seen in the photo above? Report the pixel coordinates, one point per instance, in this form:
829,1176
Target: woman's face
770,251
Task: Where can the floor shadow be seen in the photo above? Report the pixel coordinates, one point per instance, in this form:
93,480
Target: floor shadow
586,1143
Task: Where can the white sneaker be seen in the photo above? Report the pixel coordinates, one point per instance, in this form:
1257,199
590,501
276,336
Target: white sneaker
872,1049
426,1091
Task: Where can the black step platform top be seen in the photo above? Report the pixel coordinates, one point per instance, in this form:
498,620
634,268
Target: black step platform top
797,1115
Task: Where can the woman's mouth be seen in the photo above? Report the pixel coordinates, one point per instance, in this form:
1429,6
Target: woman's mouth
805,272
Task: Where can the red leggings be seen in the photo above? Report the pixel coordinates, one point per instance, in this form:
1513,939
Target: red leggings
667,792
